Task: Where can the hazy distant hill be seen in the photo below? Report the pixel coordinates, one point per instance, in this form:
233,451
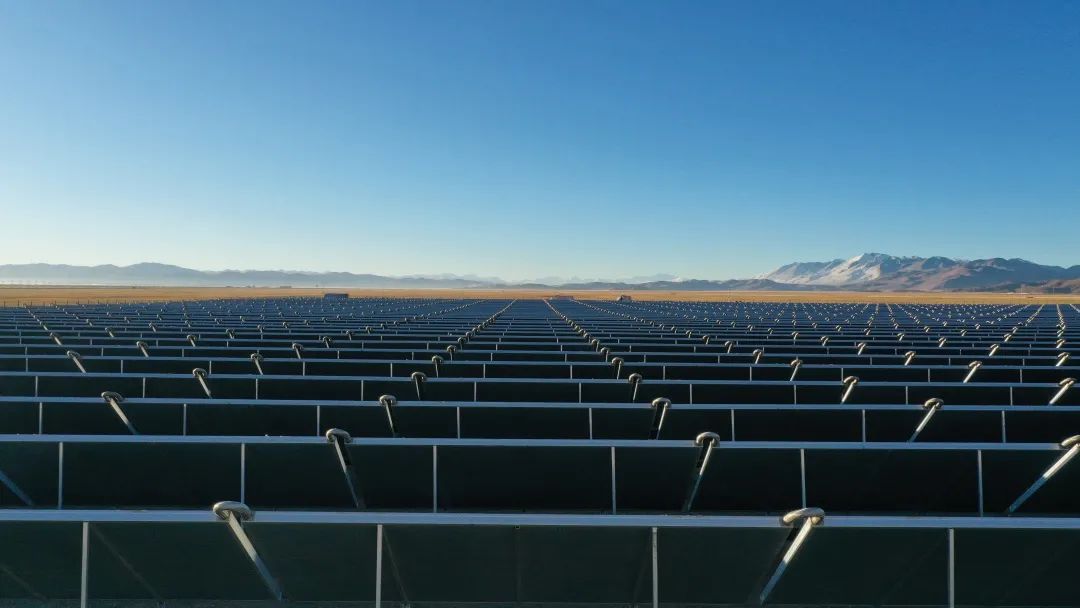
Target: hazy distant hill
165,274
866,272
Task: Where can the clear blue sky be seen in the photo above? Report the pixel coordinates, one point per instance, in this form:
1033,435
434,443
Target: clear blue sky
520,139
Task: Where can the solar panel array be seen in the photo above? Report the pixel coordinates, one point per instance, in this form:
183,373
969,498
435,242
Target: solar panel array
429,452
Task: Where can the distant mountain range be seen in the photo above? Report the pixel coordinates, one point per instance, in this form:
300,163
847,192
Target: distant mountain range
881,272
166,274
866,272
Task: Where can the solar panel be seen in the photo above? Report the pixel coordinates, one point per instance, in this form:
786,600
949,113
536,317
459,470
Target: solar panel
1013,567
487,478
880,567
169,560
888,481
40,560
141,474
316,563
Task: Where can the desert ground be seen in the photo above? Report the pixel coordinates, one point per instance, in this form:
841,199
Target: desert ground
15,295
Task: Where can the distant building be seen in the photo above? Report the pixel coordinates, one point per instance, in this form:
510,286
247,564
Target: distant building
624,298
562,296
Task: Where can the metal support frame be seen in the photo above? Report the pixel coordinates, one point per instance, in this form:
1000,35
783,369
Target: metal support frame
617,363
378,565
76,358
809,517
979,474
1071,447
931,406
84,579
419,378
614,506
243,472
257,359
234,513
200,375
660,408
388,402
655,569
434,479
60,475
1065,385
849,383
972,368
795,365
705,442
802,476
339,439
635,381
952,568
114,399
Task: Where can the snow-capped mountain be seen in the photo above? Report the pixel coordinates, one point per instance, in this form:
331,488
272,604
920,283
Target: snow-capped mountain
882,271
859,269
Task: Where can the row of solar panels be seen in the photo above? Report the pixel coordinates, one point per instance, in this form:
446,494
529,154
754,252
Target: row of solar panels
728,342
197,384
851,311
615,327
330,345
781,356
539,420
594,315
586,315
626,330
371,305
371,326
629,329
430,560
475,475
766,369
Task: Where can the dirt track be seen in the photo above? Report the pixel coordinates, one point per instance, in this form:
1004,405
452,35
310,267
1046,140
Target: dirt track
20,295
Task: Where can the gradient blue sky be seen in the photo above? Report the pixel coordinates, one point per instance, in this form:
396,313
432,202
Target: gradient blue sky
522,139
